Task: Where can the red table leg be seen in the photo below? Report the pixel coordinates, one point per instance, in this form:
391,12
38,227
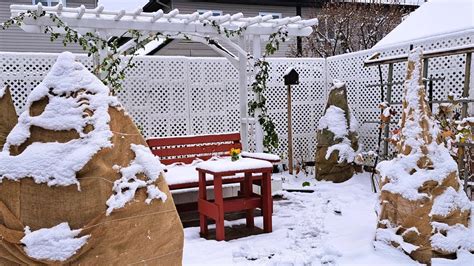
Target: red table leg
267,202
247,193
202,195
219,201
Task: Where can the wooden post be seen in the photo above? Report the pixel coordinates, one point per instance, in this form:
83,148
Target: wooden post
389,101
465,94
290,135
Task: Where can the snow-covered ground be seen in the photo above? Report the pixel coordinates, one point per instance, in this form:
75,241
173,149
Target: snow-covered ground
308,230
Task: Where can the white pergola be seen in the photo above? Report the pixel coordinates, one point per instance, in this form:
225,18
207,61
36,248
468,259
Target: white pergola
195,26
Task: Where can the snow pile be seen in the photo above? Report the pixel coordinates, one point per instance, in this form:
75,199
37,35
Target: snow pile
389,236
57,243
453,238
125,188
335,121
76,100
450,201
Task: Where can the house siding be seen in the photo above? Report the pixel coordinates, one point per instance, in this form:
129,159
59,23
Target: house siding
187,48
17,40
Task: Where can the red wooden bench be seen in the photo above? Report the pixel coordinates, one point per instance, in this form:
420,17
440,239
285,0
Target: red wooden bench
186,149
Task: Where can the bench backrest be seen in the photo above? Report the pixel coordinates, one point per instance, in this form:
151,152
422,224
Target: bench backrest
187,148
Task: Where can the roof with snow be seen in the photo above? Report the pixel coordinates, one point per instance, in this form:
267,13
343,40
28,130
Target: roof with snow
434,18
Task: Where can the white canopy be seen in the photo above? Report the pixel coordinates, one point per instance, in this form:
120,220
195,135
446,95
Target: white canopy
434,18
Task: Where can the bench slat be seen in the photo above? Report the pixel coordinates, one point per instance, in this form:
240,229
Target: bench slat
196,150
227,137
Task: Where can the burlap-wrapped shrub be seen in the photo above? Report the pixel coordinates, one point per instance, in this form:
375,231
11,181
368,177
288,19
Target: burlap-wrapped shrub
8,116
424,210
78,183
337,139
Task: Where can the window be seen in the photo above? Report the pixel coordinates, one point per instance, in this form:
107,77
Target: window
274,15
215,13
49,2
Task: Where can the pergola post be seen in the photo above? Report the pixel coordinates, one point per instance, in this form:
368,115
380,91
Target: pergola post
257,54
243,95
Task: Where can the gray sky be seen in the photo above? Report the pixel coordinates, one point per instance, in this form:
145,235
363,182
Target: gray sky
122,4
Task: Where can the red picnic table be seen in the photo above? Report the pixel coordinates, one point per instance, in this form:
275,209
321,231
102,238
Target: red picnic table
247,200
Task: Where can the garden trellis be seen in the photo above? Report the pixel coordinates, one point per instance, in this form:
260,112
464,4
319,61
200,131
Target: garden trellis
195,26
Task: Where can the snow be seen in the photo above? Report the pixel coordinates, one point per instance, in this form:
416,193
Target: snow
261,156
288,70
450,200
150,46
338,84
307,231
434,18
125,188
388,235
122,4
72,91
225,164
2,91
334,120
457,237
57,243
346,153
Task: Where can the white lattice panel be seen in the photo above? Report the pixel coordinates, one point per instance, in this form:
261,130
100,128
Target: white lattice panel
170,96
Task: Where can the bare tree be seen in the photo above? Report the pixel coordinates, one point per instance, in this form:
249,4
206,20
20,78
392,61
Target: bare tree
349,27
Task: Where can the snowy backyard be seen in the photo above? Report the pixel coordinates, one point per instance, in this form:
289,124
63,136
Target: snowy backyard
308,230
324,133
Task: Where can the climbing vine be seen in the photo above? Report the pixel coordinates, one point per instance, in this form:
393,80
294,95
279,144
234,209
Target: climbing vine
262,67
114,63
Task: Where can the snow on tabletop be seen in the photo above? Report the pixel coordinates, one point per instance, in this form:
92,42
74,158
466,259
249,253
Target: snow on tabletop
71,90
226,165
261,156
57,243
125,188
334,120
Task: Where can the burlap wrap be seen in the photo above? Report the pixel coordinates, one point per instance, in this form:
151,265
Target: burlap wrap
330,169
136,234
403,213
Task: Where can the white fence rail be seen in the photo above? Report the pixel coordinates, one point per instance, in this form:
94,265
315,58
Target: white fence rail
172,96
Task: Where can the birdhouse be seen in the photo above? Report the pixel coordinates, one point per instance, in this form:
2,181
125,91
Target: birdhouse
291,77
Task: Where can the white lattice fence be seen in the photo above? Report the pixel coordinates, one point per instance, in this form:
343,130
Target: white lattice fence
364,101
172,96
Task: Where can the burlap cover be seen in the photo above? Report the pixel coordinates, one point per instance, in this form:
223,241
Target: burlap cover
138,233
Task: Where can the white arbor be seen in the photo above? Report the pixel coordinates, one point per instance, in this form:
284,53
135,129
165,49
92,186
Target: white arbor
194,26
